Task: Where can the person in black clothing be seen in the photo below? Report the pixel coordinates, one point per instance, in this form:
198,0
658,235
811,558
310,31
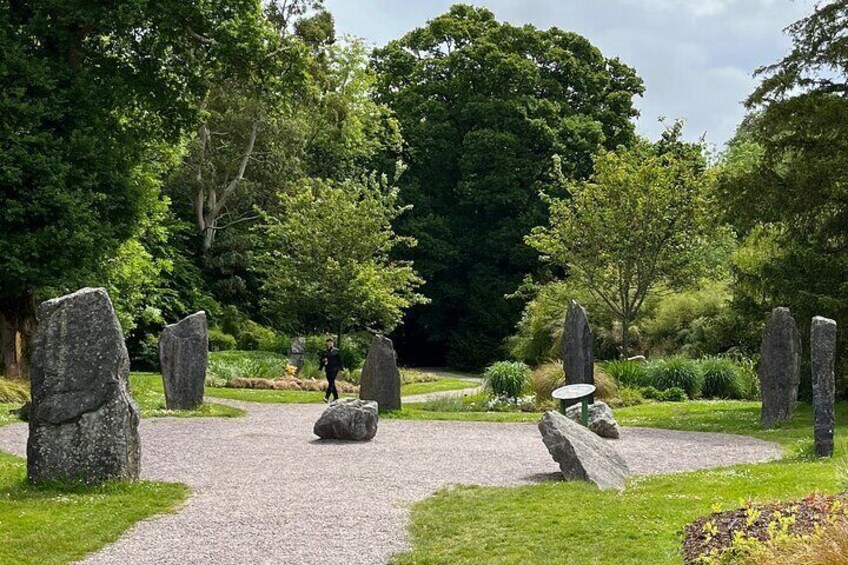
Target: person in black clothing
331,362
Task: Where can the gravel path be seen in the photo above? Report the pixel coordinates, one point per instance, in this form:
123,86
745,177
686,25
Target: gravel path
266,493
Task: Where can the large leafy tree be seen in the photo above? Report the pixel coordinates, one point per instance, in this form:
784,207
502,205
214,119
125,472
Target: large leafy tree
89,92
485,106
635,226
784,181
327,260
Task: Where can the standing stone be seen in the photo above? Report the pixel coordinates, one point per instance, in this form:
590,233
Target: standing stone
578,360
823,352
298,353
83,423
780,368
380,375
183,354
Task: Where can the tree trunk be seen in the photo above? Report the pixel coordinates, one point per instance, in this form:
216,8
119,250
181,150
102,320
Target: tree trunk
625,336
17,326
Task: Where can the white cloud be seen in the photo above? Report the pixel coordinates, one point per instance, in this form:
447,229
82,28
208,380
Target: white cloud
696,56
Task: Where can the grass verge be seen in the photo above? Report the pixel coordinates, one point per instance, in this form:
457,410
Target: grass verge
440,385
148,393
60,524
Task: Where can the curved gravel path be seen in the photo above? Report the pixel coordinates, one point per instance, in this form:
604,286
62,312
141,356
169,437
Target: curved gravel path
265,492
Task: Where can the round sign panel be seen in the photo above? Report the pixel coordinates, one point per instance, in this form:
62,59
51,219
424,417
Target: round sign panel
573,392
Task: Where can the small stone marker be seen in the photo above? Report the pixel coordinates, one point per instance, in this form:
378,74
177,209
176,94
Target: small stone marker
298,353
183,354
823,353
349,419
600,419
578,360
380,379
83,423
780,368
581,454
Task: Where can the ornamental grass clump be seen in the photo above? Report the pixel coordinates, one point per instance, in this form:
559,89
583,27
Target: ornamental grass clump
721,379
507,378
545,379
678,372
626,373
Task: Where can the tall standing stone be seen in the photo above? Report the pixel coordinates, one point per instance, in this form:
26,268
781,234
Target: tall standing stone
823,353
83,423
780,368
578,359
297,354
183,354
380,375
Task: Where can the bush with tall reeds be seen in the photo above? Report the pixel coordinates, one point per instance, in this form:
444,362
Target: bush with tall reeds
507,378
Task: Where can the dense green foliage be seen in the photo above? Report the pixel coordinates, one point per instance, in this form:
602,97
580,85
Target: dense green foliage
783,183
489,112
635,225
327,264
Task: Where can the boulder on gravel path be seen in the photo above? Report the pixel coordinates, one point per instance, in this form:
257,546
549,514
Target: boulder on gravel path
581,454
83,423
349,419
601,420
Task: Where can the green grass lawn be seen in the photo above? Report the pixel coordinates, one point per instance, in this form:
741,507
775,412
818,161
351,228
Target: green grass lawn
415,412
269,396
441,385
148,393
60,524
573,523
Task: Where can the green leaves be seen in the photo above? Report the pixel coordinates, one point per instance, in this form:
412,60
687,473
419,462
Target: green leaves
485,107
327,259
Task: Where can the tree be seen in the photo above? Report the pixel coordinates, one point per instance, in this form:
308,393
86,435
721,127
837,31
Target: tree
484,106
783,180
635,225
326,262
89,92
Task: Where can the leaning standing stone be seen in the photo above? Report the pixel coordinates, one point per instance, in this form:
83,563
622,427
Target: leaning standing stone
380,375
581,455
83,423
823,352
578,360
183,354
780,368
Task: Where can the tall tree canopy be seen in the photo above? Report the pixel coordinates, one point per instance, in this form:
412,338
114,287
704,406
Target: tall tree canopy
784,180
90,92
485,106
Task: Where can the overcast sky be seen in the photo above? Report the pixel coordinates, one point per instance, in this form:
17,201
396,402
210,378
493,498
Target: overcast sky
695,56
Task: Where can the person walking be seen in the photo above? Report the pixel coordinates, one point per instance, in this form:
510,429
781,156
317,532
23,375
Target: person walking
331,362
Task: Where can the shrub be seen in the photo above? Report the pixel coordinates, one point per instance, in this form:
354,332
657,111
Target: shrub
649,392
673,394
721,378
545,379
626,396
220,341
677,372
225,366
507,378
253,334
626,373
